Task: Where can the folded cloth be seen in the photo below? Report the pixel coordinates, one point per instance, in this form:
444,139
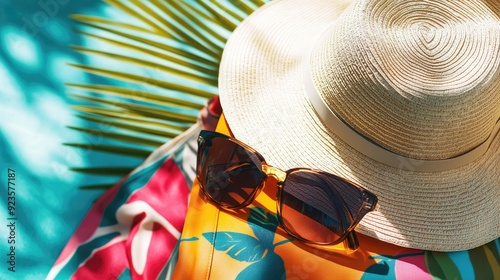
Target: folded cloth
248,243
132,230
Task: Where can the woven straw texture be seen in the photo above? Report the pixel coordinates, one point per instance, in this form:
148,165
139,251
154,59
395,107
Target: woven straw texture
420,78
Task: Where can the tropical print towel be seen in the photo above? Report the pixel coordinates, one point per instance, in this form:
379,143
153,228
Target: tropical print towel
132,231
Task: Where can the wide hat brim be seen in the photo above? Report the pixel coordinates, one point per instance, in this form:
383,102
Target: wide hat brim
264,100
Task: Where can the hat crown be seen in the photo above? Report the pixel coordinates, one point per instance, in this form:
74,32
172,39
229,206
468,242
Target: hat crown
419,78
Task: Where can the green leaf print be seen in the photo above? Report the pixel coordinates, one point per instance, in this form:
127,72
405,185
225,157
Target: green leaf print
440,266
239,246
259,250
263,225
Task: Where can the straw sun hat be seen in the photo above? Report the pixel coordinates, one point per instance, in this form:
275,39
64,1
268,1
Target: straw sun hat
401,97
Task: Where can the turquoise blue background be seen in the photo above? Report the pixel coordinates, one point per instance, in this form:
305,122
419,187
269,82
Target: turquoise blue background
34,111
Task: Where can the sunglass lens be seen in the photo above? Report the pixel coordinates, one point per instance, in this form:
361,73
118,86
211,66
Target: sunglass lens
317,206
229,173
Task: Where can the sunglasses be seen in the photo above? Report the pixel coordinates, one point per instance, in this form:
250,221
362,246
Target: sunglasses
312,205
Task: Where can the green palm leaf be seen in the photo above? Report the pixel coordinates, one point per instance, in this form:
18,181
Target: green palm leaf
124,76
107,171
180,42
147,111
121,150
98,186
196,76
139,140
138,95
179,58
131,126
123,119
114,29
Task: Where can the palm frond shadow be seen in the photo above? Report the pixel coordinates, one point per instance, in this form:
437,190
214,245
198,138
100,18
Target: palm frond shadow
180,43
